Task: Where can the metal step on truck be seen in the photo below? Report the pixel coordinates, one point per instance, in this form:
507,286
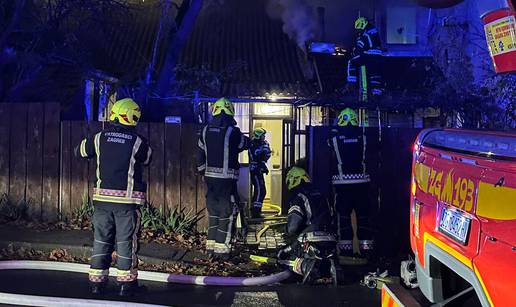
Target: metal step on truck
462,221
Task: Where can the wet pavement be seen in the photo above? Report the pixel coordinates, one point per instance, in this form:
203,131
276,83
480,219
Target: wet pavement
74,285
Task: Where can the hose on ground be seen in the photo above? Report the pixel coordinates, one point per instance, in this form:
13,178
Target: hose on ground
35,300
150,276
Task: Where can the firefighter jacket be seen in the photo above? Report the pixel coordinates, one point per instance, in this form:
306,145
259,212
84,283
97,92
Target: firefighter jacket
219,144
368,42
310,217
348,148
259,154
120,155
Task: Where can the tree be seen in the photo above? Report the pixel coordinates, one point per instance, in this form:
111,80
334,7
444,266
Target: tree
185,21
46,45
466,88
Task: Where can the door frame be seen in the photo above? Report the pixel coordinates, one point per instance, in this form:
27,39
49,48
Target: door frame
284,119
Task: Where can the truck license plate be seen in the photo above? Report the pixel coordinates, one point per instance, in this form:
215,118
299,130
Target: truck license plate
455,225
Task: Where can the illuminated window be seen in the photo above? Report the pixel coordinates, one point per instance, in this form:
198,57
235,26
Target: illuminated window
242,119
273,109
242,116
304,117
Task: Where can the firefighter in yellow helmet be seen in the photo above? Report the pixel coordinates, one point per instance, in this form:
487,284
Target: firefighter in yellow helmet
259,154
350,181
366,60
220,143
310,229
120,154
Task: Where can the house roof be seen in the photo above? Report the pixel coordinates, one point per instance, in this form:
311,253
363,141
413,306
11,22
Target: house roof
240,33
249,51
125,47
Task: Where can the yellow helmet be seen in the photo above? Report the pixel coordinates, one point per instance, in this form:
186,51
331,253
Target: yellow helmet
361,23
294,177
126,112
223,104
346,117
258,132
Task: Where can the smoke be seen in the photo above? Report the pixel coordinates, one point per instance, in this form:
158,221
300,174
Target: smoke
299,19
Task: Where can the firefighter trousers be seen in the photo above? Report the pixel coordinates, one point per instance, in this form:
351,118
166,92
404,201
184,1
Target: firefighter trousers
259,190
366,69
221,200
115,228
349,197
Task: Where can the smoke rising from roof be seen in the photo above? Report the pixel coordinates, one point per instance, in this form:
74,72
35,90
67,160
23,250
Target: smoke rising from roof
299,19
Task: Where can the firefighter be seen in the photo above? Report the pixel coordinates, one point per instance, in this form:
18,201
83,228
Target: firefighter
219,144
259,153
119,190
350,182
309,230
366,59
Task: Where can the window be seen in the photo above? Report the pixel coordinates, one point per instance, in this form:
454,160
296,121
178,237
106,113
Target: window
242,117
272,109
401,25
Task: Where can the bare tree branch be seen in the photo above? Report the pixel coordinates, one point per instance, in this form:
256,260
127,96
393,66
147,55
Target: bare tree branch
176,44
14,21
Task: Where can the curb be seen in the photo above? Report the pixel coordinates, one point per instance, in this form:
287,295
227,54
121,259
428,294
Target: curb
84,251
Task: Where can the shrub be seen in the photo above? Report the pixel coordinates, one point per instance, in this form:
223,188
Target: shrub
179,221
13,211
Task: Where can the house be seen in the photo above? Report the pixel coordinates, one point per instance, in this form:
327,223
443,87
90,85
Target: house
240,50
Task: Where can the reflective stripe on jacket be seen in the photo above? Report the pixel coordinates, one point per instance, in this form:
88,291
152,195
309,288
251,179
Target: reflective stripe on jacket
309,211
348,149
219,144
120,155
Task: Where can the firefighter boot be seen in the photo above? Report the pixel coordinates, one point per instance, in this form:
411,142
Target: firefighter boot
97,288
130,288
256,213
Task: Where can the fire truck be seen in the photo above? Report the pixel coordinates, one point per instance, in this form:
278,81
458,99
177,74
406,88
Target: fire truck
463,218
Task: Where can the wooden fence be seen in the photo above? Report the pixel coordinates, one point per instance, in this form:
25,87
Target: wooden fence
29,156
37,162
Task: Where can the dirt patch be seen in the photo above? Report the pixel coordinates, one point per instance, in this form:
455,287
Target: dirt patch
238,266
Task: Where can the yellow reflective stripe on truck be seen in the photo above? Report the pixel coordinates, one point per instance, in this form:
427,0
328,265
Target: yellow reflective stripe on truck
477,273
388,298
465,260
496,202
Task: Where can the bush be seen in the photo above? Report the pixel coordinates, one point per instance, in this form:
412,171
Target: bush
81,217
179,221
13,211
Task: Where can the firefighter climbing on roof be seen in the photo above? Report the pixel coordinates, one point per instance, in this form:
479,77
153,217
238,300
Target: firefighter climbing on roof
365,65
219,144
309,230
120,154
259,153
350,182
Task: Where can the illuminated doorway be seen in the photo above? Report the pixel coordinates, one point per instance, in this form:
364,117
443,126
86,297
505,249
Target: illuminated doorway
276,119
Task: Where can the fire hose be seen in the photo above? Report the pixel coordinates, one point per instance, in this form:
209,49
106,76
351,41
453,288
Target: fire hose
20,299
147,275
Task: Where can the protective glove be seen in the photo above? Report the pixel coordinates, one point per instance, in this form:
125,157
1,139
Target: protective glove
284,253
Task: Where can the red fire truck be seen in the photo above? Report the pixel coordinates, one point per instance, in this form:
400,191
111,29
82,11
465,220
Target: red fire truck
463,216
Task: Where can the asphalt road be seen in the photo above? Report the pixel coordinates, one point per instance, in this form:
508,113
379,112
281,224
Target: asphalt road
74,285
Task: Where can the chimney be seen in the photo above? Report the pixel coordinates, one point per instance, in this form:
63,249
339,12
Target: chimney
322,26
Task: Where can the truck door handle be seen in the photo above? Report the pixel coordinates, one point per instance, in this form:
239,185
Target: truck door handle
500,182
493,239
